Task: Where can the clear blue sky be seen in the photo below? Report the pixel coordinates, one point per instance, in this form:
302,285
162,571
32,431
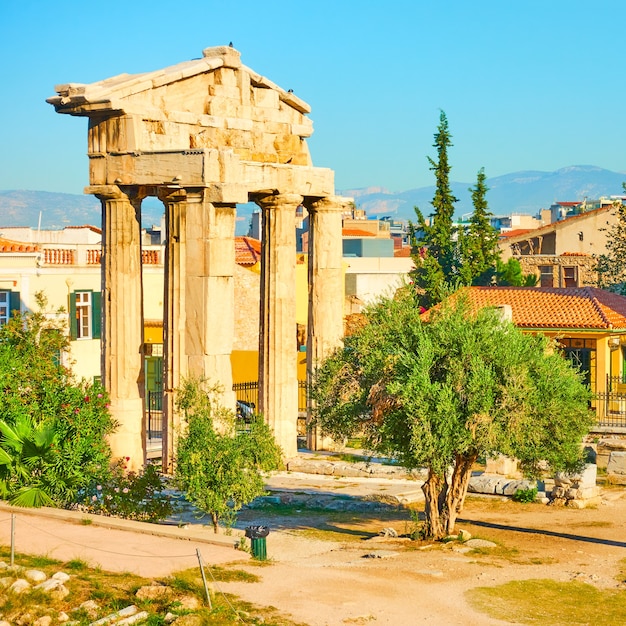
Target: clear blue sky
526,84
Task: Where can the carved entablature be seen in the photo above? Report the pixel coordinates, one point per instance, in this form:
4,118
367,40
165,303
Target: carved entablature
205,122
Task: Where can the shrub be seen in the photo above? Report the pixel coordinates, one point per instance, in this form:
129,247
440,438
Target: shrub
218,468
525,495
132,495
53,442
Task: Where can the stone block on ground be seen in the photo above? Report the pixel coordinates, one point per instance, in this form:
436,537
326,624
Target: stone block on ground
480,543
502,466
605,447
35,575
19,586
617,463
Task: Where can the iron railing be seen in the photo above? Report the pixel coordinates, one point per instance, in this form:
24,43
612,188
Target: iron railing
154,406
248,392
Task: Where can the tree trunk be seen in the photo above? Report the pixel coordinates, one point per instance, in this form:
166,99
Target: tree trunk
457,489
215,520
433,488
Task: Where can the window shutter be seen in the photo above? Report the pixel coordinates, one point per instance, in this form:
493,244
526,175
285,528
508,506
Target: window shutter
14,303
96,314
73,321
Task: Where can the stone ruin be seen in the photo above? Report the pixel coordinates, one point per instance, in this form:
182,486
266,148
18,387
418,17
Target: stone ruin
203,136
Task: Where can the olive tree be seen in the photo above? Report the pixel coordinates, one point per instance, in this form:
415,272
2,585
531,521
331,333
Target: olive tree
219,467
439,394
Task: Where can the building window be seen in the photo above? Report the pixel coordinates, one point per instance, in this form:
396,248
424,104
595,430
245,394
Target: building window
547,276
4,307
85,315
9,302
570,276
582,354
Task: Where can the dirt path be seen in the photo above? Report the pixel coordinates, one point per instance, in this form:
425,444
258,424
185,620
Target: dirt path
325,583
358,577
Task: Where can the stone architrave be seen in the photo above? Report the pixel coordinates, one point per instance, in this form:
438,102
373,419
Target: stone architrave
326,290
278,377
122,328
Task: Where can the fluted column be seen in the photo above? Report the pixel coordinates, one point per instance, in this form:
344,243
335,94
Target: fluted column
199,300
326,292
174,359
122,336
209,291
278,378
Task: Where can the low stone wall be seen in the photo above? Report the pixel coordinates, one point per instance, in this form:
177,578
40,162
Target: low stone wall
493,484
575,490
361,469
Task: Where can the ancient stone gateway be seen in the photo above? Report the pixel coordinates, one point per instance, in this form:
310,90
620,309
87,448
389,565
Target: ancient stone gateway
203,136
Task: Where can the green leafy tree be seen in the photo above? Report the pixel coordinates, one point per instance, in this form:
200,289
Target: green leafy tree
218,467
612,264
438,395
510,274
53,423
435,250
479,245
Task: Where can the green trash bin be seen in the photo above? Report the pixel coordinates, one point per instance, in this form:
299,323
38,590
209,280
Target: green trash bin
257,536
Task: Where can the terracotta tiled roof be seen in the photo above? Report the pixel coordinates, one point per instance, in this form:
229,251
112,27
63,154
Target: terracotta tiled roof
94,229
403,252
6,245
356,232
515,232
556,225
247,251
584,308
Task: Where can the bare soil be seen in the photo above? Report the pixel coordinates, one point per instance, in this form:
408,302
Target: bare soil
330,568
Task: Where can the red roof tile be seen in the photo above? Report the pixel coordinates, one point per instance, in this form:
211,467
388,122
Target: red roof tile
532,307
95,229
6,245
558,224
356,232
403,252
515,232
247,251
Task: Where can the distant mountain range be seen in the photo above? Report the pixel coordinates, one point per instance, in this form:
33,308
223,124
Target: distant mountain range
520,192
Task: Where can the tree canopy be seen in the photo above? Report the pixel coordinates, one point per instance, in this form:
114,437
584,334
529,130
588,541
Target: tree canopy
53,427
219,467
612,264
441,393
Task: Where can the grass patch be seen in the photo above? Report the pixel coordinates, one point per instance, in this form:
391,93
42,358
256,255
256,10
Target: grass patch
114,591
550,603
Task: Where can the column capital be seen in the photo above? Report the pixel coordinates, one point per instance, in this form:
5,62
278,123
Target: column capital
133,193
327,203
278,200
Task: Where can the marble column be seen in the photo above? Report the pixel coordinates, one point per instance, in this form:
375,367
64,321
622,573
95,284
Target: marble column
326,292
199,299
174,359
278,378
122,327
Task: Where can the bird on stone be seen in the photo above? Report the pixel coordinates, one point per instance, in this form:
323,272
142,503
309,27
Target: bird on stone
230,45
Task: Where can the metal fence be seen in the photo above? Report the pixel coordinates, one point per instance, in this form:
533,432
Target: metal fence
154,406
248,392
610,409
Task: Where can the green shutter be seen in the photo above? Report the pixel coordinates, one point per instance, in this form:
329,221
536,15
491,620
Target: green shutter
73,322
96,314
14,302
